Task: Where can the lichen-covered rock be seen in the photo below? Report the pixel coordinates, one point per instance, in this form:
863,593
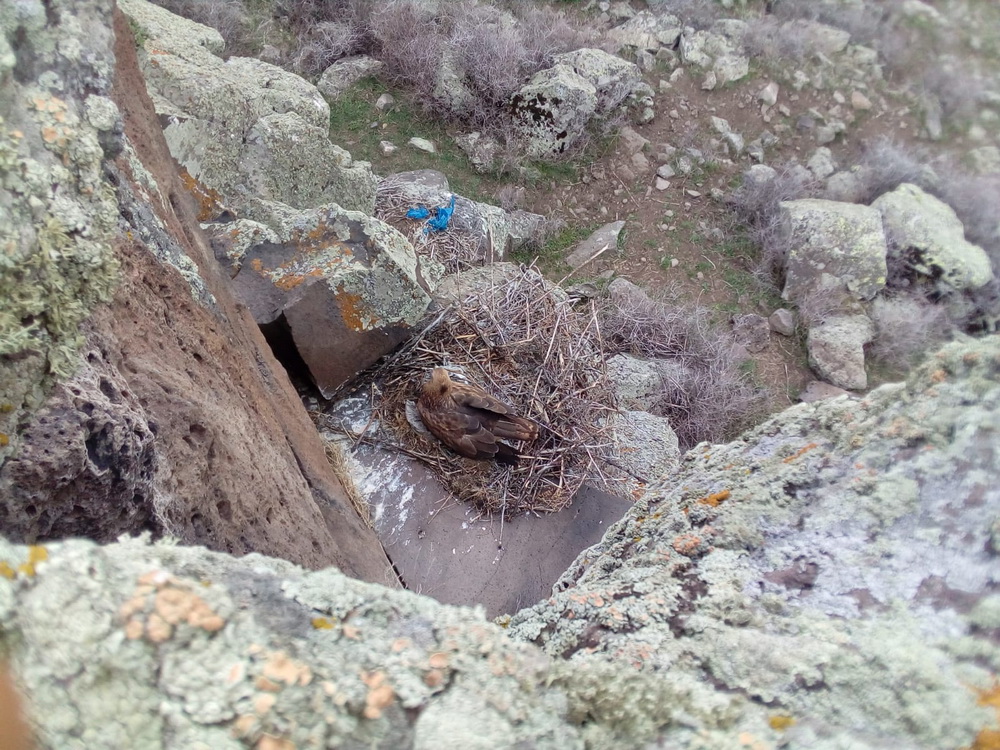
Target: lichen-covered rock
552,110
286,159
718,50
57,213
343,286
613,79
175,647
816,583
175,418
836,349
243,128
840,240
645,444
346,72
928,236
647,31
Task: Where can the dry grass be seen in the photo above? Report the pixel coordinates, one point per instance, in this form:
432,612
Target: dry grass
708,397
524,342
338,462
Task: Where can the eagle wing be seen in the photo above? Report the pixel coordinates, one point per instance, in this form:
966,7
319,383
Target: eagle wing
461,428
493,414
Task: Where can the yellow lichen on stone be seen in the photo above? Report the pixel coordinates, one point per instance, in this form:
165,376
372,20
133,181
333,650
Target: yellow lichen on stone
6,571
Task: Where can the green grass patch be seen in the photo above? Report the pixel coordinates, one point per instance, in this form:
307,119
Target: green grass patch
355,124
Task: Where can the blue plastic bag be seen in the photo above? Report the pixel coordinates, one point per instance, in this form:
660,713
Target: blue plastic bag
442,215
419,212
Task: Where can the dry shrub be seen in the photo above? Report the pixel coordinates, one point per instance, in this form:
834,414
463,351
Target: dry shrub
327,42
409,39
756,206
886,164
906,326
522,340
709,397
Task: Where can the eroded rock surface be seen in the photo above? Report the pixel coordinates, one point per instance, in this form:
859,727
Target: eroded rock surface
135,393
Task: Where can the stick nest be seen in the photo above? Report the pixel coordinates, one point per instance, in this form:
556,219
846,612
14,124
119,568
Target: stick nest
456,249
525,342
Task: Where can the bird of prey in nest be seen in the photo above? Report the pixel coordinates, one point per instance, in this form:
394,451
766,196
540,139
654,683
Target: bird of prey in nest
470,421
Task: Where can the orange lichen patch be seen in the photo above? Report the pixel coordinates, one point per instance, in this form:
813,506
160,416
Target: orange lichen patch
400,644
322,623
987,739
989,696
243,725
269,742
36,554
800,451
686,544
439,660
257,265
352,310
262,683
970,358
781,722
209,201
351,632
380,694
715,498
4,440
434,678
134,629
939,376
236,673
176,605
282,668
264,702
158,630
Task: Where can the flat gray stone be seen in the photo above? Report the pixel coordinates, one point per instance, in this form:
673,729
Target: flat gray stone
604,240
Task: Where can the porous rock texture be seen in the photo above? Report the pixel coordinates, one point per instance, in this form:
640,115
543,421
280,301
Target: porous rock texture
826,581
135,393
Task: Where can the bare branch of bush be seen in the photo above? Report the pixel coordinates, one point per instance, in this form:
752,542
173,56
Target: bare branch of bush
906,326
708,397
327,42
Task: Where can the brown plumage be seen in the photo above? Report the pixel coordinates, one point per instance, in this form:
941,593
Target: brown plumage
470,421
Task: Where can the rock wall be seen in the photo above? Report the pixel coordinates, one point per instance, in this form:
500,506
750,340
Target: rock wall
135,393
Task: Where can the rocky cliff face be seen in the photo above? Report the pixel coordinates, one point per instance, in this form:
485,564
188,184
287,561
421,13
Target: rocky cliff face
826,581
135,393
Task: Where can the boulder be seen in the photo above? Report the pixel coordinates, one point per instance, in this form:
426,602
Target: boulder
752,331
287,160
613,79
603,241
346,72
638,382
841,240
929,238
782,321
647,31
719,51
282,121
816,37
552,110
645,445
836,349
817,390
342,287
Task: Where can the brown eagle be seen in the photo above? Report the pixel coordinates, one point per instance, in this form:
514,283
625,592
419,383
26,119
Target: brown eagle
470,421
